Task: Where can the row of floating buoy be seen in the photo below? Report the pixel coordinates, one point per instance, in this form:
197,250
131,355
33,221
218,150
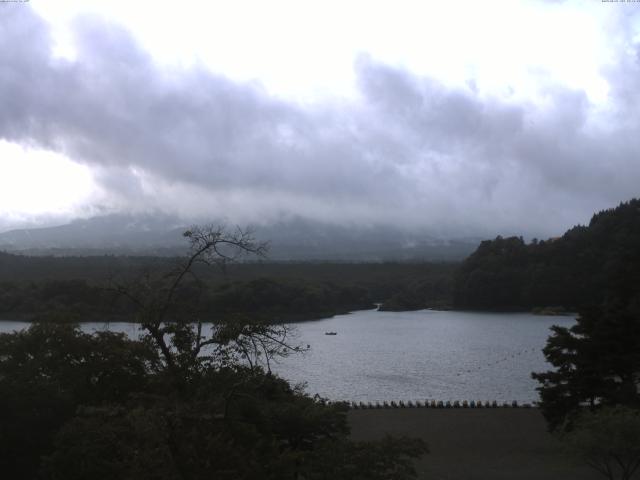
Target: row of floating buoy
499,361
439,404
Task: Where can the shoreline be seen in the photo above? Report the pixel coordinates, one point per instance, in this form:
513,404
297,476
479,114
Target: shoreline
292,318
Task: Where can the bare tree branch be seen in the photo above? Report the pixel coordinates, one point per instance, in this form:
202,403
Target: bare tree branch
182,343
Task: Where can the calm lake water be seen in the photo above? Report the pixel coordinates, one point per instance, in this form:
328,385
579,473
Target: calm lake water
378,356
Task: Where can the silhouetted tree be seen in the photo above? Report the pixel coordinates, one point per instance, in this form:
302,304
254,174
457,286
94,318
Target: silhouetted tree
178,403
597,362
51,369
177,330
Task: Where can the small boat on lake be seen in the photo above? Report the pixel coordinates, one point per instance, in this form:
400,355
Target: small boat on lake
330,333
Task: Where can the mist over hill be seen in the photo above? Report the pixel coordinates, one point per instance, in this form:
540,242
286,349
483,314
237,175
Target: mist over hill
294,239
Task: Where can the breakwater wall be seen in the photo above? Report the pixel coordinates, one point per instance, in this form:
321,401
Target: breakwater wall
438,404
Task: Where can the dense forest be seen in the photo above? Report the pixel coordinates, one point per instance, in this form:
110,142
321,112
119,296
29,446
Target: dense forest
571,271
81,287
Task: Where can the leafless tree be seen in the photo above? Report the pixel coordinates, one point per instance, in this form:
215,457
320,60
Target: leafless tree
183,344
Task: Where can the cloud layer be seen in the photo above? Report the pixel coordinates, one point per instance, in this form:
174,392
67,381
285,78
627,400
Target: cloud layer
408,151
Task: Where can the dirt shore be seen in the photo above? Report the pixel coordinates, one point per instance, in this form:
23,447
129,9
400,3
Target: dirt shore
475,444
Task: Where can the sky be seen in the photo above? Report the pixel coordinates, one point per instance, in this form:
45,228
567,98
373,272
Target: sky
461,118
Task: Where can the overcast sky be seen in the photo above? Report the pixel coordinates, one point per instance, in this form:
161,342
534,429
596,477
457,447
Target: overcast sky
466,118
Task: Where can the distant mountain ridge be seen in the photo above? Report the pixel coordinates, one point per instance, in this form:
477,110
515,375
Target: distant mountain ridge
97,232
293,239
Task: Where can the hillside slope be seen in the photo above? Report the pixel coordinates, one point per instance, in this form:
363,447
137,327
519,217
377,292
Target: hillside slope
572,271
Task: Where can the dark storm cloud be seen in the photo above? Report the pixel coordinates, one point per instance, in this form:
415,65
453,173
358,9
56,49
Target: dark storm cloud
409,151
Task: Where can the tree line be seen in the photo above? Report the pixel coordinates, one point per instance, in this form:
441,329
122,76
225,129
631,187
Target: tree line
264,298
40,287
573,271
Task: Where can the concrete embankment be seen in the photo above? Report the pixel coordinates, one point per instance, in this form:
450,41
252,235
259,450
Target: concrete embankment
475,444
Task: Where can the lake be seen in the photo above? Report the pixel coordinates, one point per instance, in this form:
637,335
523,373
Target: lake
427,354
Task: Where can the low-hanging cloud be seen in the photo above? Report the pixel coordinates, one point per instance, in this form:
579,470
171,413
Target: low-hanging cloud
408,151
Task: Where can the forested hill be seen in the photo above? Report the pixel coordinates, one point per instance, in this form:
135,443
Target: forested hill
575,270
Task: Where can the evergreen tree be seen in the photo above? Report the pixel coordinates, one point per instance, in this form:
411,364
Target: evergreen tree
597,362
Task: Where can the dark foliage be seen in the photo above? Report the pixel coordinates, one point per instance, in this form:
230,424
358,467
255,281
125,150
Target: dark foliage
77,406
47,372
284,300
597,362
181,402
74,288
573,271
